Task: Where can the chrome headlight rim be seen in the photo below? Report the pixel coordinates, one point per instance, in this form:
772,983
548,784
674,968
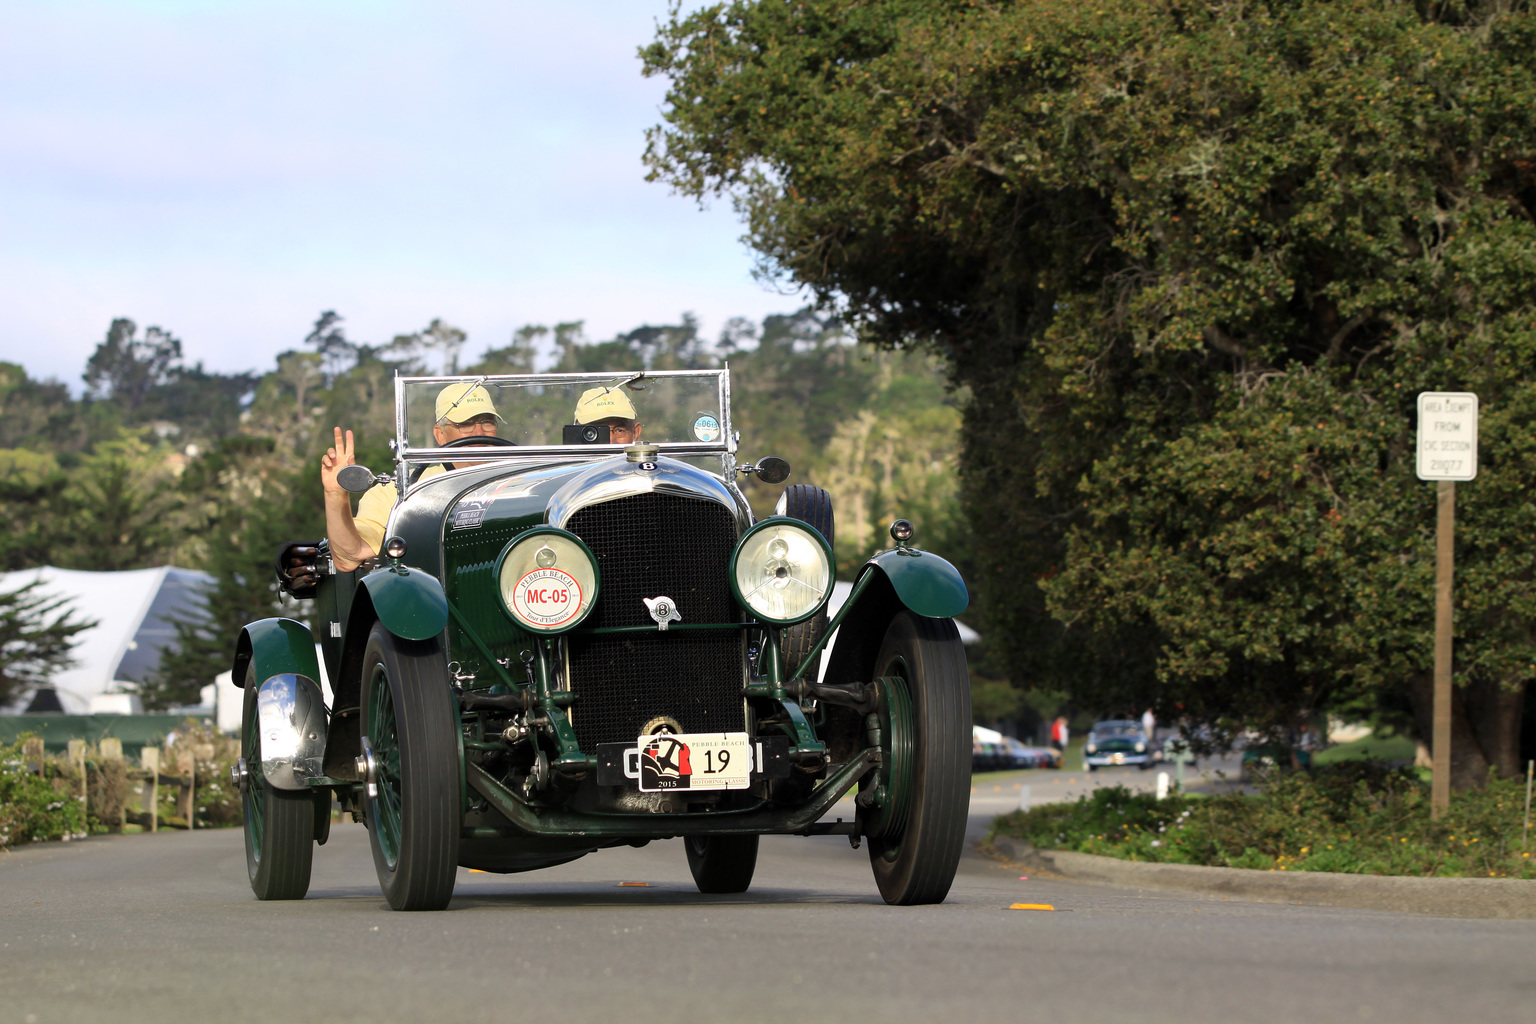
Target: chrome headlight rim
532,536
810,531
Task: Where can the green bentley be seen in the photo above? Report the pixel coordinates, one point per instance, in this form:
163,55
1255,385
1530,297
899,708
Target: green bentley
570,644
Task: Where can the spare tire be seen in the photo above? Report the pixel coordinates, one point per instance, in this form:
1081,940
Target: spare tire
812,506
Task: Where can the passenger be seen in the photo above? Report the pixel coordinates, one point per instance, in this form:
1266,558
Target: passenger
610,407
462,411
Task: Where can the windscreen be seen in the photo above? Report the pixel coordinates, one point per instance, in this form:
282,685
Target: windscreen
574,411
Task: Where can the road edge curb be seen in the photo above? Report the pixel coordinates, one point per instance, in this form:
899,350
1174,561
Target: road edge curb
1486,898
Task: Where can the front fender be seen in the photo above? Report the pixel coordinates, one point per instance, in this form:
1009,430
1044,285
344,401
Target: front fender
924,582
279,654
410,604
919,581
274,646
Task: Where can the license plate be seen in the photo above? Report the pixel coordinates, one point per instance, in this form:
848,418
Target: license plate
700,760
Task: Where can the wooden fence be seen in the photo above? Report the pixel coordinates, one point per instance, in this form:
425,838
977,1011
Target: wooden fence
152,772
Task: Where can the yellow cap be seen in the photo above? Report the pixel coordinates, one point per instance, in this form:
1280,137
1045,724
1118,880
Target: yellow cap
603,404
460,402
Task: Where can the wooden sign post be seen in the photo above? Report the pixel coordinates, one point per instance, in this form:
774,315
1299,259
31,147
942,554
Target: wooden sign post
1447,452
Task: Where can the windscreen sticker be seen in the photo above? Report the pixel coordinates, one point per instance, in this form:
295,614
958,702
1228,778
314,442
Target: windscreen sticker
547,597
706,428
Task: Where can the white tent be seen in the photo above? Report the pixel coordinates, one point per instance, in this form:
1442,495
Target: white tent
135,614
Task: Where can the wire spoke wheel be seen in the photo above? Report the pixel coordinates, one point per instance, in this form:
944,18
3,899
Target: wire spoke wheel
915,821
413,812
382,738
721,864
891,801
279,823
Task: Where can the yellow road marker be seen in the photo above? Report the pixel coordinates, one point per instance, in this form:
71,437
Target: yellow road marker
640,885
1031,906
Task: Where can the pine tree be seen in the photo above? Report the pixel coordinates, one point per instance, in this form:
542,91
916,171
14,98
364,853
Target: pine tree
37,632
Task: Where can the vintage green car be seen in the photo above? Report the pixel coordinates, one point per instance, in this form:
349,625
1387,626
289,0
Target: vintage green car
571,644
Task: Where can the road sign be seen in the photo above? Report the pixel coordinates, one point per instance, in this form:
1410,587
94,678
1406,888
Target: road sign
1447,435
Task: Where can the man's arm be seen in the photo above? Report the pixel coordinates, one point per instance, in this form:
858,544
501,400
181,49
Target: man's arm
348,548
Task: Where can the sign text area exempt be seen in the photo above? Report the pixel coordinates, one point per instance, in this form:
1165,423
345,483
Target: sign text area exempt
1447,435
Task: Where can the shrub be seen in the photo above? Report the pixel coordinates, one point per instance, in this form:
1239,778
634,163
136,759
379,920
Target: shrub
1356,817
217,800
36,806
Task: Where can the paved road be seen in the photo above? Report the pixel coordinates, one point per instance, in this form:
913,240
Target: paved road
163,928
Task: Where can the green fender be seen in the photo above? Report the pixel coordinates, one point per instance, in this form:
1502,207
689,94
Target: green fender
411,604
924,582
275,645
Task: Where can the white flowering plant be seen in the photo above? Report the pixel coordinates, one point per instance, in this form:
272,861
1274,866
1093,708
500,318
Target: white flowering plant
35,800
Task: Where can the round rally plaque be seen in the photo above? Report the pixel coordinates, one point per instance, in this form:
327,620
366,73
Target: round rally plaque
547,597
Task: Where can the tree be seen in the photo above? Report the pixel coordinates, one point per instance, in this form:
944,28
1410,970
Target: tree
125,369
329,340
122,509
30,488
138,381
438,337
1193,263
37,633
258,499
36,414
518,357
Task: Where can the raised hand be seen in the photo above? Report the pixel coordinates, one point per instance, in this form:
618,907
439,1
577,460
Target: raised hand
335,459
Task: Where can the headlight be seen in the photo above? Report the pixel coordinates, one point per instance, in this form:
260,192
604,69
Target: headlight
1090,748
548,580
1141,748
782,571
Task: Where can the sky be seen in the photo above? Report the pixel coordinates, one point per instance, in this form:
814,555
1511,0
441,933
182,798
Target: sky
226,171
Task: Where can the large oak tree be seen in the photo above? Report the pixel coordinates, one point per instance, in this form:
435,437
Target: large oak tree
1193,262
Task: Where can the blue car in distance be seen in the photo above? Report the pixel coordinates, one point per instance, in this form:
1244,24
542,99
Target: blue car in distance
1116,743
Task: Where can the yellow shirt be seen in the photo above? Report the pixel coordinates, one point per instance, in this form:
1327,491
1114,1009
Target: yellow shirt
373,508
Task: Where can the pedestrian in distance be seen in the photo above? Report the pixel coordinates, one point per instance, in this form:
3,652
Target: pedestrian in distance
1060,733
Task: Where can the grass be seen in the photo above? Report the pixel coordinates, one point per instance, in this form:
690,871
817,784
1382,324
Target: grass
1356,817
1371,748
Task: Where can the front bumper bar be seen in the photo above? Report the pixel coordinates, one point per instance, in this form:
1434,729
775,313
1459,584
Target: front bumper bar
800,820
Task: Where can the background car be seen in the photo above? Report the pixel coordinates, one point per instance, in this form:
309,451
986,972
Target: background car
1115,743
989,756
1261,758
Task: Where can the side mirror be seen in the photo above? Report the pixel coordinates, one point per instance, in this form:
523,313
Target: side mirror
771,469
356,479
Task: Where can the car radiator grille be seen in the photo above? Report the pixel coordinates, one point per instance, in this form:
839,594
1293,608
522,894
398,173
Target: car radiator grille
648,545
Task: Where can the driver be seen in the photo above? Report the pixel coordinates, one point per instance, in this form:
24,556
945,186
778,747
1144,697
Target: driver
463,410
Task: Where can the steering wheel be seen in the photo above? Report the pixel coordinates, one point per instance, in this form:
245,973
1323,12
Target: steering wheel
467,441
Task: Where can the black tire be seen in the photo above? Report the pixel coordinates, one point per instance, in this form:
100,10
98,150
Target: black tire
721,864
918,864
408,721
279,823
812,506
